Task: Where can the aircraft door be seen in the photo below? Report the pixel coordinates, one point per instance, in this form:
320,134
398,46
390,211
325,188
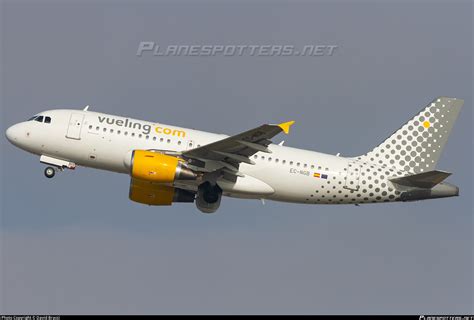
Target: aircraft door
75,126
353,176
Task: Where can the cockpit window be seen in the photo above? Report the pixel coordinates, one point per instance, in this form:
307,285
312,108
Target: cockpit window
40,119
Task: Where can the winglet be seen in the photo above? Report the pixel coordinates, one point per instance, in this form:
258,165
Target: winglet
286,126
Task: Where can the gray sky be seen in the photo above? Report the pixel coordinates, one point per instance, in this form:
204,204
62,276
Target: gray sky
76,244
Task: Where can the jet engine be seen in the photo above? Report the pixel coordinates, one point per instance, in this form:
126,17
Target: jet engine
157,167
156,194
208,197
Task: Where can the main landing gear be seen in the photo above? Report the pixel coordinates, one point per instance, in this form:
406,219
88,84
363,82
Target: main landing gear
49,172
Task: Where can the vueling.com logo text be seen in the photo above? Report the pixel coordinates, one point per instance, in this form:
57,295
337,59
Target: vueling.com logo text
145,128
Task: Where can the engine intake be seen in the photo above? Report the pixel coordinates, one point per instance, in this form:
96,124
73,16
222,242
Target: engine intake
208,197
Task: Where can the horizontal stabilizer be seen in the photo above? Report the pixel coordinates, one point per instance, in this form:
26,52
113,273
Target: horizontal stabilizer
422,180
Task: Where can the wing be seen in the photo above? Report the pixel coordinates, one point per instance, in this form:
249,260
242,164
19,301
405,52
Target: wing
232,151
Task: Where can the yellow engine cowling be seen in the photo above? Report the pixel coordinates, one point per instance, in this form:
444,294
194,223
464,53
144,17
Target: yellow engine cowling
157,167
157,195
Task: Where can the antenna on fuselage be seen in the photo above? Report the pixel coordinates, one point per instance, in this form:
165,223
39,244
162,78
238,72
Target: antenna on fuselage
86,108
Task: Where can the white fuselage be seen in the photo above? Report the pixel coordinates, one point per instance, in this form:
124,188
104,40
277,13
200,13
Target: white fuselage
105,142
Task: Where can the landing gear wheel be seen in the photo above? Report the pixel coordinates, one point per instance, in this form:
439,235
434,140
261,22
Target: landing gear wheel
49,172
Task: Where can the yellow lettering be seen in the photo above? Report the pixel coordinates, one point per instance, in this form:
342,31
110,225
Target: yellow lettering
179,133
168,131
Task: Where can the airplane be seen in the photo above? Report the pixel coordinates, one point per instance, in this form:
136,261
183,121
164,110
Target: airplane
169,164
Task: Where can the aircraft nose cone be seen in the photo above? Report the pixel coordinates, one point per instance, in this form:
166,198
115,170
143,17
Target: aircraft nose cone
10,134
13,134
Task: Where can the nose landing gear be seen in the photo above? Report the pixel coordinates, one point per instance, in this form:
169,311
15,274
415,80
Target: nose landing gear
49,172
54,165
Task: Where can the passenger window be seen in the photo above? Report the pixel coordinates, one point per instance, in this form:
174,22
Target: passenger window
283,161
39,119
47,120
179,142
154,138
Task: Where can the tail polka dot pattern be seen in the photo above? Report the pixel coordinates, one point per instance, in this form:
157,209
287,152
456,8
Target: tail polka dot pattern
417,146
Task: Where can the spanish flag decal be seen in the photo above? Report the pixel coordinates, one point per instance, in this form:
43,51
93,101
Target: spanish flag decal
319,175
